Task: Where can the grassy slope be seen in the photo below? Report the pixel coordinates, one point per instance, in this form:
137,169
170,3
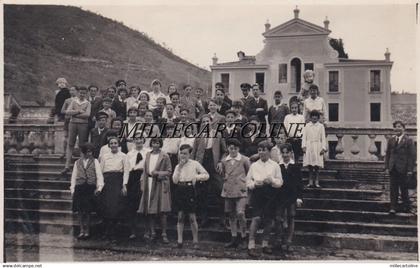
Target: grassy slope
46,42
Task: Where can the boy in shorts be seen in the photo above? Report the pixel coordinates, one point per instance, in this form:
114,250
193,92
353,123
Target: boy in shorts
234,170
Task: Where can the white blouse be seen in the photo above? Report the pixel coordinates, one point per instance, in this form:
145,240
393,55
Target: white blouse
115,162
314,104
132,157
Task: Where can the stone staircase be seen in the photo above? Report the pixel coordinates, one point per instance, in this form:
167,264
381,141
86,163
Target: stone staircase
349,212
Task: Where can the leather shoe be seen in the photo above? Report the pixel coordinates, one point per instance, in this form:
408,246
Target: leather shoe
267,250
252,252
233,243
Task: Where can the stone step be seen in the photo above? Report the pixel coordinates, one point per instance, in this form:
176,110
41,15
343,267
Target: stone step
355,216
337,193
36,175
64,183
37,184
333,204
37,193
35,203
327,193
348,184
347,204
41,167
303,224
50,247
356,227
372,242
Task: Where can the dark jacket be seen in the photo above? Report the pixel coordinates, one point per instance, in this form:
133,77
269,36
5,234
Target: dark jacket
292,183
253,106
60,98
98,140
400,156
119,108
277,115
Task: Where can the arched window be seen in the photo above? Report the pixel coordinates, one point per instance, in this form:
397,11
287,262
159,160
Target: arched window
295,74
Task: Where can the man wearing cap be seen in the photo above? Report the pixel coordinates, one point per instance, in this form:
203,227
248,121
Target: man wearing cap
98,134
156,93
61,95
246,88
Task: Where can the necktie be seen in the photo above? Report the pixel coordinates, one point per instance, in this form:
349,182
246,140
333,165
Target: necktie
139,158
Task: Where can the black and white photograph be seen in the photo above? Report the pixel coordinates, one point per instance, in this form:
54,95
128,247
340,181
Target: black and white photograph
202,131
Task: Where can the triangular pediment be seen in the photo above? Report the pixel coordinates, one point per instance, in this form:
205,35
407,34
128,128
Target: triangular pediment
296,27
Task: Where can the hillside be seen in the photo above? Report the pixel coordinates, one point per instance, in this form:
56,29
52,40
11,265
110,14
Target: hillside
42,43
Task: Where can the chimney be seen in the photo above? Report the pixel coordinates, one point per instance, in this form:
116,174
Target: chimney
241,55
214,59
387,55
296,11
267,25
326,23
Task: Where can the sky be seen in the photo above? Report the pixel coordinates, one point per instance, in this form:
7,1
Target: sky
197,31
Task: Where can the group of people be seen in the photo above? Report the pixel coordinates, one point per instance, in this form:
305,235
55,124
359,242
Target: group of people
121,176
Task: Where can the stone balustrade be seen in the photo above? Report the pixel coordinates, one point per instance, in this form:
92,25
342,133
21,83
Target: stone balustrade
38,139
355,134
33,139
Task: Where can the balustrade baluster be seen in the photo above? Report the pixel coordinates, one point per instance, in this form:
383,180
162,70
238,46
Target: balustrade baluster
50,141
25,143
372,148
37,144
339,149
13,143
355,150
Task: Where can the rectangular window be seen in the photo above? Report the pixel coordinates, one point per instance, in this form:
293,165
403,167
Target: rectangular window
333,112
375,112
225,81
333,81
259,79
309,66
331,149
282,73
375,81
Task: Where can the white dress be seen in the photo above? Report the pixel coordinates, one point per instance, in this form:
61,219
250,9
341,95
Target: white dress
313,139
152,165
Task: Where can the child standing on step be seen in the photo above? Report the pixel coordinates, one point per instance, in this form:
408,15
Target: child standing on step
115,167
314,146
290,194
234,169
136,157
186,174
156,192
86,182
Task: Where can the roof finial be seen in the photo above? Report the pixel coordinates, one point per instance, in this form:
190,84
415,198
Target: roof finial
387,55
326,23
214,59
267,25
296,11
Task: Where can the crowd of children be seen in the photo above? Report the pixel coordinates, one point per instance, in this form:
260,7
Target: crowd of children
120,177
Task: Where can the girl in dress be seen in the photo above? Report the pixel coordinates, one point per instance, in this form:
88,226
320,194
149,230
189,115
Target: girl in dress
86,182
136,158
314,146
115,168
155,187
314,103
